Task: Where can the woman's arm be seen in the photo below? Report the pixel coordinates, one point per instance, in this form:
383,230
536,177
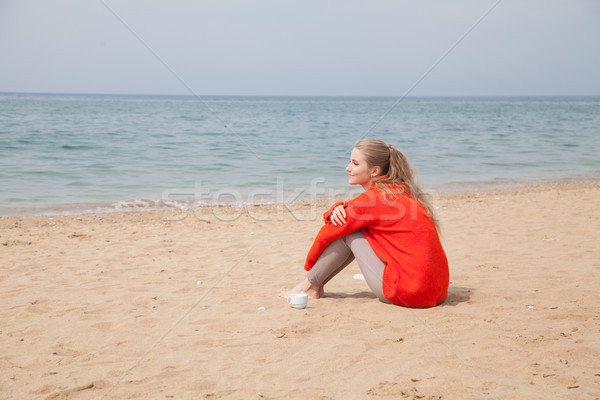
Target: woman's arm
360,212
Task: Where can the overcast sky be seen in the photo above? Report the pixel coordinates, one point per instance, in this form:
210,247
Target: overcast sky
308,47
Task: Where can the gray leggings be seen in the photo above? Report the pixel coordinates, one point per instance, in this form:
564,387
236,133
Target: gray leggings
340,253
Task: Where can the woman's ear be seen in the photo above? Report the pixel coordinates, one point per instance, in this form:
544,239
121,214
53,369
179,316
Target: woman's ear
376,171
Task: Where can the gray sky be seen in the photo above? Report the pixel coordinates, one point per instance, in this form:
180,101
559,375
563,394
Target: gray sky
308,47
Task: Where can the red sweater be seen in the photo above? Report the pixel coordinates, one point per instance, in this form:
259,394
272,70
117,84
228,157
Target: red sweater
403,236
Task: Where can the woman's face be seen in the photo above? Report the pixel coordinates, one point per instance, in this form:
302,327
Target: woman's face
359,172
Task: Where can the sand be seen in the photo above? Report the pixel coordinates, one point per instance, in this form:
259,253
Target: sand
182,304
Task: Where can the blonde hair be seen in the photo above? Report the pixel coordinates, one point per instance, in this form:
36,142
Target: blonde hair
395,169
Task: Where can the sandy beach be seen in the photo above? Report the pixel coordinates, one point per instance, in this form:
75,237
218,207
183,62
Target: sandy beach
182,305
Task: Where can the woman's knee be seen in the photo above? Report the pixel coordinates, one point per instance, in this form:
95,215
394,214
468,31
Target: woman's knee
349,238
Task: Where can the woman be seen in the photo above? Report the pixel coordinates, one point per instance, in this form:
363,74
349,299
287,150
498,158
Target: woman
389,229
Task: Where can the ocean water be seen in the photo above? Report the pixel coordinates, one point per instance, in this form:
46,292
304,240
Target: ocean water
78,153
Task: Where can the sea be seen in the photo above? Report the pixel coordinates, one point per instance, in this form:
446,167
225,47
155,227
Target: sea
80,153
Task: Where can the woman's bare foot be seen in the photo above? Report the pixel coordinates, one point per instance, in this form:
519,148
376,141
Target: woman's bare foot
314,292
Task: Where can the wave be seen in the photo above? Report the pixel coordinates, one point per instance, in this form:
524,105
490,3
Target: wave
76,147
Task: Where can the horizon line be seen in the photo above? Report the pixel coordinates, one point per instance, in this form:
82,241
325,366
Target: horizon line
301,96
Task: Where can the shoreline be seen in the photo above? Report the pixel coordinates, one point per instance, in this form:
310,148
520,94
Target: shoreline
143,205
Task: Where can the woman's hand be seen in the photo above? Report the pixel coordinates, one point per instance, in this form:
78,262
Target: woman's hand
338,215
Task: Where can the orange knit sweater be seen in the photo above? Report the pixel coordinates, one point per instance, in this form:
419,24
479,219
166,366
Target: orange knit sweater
403,236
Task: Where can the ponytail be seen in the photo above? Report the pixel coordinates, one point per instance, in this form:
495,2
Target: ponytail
395,169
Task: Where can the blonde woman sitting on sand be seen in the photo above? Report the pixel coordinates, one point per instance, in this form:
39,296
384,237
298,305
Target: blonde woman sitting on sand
389,229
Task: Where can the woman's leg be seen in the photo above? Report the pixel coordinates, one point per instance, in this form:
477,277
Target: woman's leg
334,258
370,265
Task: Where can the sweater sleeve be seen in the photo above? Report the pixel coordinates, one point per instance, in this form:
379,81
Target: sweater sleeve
360,213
